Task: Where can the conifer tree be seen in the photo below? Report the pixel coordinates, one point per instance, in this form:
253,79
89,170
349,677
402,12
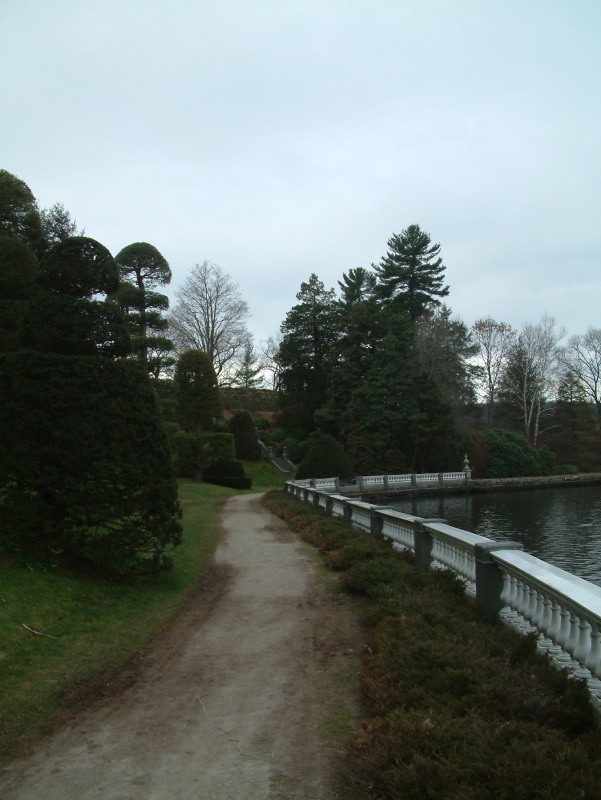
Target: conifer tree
305,355
198,399
142,269
411,274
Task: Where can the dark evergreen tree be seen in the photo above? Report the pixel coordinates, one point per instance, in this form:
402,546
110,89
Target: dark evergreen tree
19,213
446,352
142,268
57,225
84,458
199,405
305,355
84,461
411,274
249,374
63,317
357,285
325,458
18,271
392,417
245,436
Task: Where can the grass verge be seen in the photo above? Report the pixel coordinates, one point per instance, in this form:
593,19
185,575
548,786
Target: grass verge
88,625
456,708
91,625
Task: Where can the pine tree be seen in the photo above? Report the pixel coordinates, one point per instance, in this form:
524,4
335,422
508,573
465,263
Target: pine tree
305,355
198,400
411,274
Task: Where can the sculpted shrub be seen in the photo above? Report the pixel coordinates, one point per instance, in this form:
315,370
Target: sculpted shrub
245,435
325,458
85,465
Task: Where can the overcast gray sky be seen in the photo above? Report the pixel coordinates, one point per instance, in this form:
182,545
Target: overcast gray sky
278,138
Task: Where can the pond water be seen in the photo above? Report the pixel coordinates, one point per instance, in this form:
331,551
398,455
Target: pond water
560,525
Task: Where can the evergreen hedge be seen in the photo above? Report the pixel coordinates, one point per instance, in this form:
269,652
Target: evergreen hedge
227,472
84,461
193,451
245,435
509,455
325,458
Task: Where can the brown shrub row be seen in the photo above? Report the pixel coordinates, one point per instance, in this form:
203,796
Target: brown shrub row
457,708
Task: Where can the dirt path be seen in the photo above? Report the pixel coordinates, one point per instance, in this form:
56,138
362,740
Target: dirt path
242,699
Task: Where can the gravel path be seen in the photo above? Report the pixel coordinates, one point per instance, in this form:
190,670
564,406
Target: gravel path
244,698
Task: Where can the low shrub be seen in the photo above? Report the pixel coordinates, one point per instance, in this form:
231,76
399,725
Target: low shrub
325,458
243,429
227,472
193,451
506,454
455,707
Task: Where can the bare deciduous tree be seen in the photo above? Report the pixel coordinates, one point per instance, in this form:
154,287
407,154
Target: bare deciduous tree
532,373
582,357
210,314
494,340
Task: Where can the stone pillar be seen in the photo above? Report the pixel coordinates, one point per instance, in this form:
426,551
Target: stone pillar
413,479
467,469
422,542
489,577
376,522
347,514
329,506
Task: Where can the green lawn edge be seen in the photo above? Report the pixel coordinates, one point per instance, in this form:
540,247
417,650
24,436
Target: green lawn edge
92,625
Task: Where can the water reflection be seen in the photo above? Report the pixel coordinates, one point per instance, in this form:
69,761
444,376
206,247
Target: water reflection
560,525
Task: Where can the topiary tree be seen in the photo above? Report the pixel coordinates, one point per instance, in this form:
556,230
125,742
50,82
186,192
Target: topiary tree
65,315
325,458
18,268
198,400
84,461
245,436
142,268
193,451
227,472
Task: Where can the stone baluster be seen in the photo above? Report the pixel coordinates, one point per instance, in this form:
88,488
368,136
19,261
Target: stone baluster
545,642
593,660
525,606
563,658
507,592
572,639
552,629
583,647
531,604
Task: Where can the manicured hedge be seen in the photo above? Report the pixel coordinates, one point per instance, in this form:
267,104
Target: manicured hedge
227,472
84,461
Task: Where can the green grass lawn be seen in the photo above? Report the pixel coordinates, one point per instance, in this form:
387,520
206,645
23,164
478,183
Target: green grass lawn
92,625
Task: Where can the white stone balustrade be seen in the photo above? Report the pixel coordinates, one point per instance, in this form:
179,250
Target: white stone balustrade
398,527
373,483
529,594
429,479
400,481
454,549
360,514
565,611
